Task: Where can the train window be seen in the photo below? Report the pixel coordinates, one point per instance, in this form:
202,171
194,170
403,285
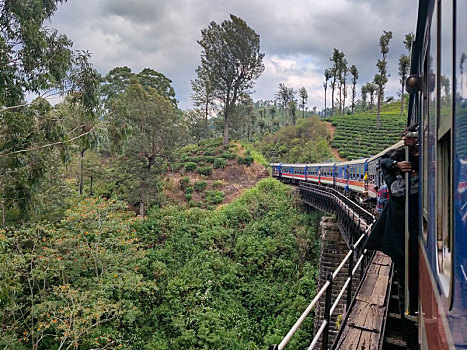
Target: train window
443,222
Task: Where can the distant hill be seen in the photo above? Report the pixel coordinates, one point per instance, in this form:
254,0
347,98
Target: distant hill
357,135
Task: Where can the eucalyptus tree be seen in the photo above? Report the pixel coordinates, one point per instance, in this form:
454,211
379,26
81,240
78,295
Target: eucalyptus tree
354,73
382,77
327,76
303,94
36,61
232,61
336,72
293,111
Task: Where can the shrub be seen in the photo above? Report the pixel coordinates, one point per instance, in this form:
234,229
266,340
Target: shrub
184,182
214,197
206,171
210,159
200,185
247,160
189,190
228,155
190,166
218,184
220,163
188,196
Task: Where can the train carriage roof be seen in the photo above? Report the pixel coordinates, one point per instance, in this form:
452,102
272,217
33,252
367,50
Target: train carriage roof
321,164
352,162
393,147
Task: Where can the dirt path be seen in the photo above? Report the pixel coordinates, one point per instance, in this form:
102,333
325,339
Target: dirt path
331,130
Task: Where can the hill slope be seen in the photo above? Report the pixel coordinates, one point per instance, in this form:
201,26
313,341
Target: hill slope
357,135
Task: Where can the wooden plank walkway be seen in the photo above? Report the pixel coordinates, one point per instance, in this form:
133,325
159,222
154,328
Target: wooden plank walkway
364,325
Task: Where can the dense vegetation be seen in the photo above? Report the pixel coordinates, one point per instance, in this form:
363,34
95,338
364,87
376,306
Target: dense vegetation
307,142
234,278
357,135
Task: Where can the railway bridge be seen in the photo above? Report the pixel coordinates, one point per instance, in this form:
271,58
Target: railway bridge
351,306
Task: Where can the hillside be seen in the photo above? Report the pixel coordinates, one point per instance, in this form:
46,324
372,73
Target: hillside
207,175
357,136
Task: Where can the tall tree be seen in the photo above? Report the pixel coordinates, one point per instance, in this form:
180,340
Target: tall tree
232,61
404,62
203,94
336,72
364,95
327,76
382,77
149,128
303,99
36,60
354,73
284,96
371,88
293,111
343,79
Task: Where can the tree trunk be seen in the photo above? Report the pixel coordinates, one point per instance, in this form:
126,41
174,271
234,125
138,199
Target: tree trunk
226,126
325,89
81,172
3,213
332,100
343,102
402,99
379,107
141,199
90,188
340,99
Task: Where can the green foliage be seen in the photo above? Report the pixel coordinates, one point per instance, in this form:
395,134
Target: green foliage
214,197
189,190
200,186
190,166
220,163
206,171
184,182
218,184
304,143
82,282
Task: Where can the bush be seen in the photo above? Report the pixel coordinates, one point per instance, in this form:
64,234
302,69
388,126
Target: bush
210,159
190,166
247,160
218,184
214,197
206,171
188,196
220,163
184,182
200,185
228,155
189,190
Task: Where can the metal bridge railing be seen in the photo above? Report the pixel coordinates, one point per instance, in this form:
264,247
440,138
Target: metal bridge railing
355,212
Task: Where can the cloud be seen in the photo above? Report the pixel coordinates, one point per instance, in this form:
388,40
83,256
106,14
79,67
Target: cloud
297,36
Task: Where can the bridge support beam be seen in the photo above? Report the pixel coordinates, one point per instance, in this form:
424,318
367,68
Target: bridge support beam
333,250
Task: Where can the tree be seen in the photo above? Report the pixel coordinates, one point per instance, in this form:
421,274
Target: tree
232,61
404,62
293,111
336,72
203,94
284,96
37,61
354,73
364,95
371,88
342,83
303,99
382,77
119,78
149,128
327,76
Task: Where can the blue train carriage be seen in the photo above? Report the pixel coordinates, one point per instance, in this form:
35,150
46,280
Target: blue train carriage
324,172
438,103
350,175
375,178
294,173
276,169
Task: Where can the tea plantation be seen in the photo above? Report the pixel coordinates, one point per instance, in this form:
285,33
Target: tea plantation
357,135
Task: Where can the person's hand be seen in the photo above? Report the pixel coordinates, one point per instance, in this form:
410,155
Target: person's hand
410,141
404,166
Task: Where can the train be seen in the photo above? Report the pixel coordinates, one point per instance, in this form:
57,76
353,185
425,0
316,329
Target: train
437,87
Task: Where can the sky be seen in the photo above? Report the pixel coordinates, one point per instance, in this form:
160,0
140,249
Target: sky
297,37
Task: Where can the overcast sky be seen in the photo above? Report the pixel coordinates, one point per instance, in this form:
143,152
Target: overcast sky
297,37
